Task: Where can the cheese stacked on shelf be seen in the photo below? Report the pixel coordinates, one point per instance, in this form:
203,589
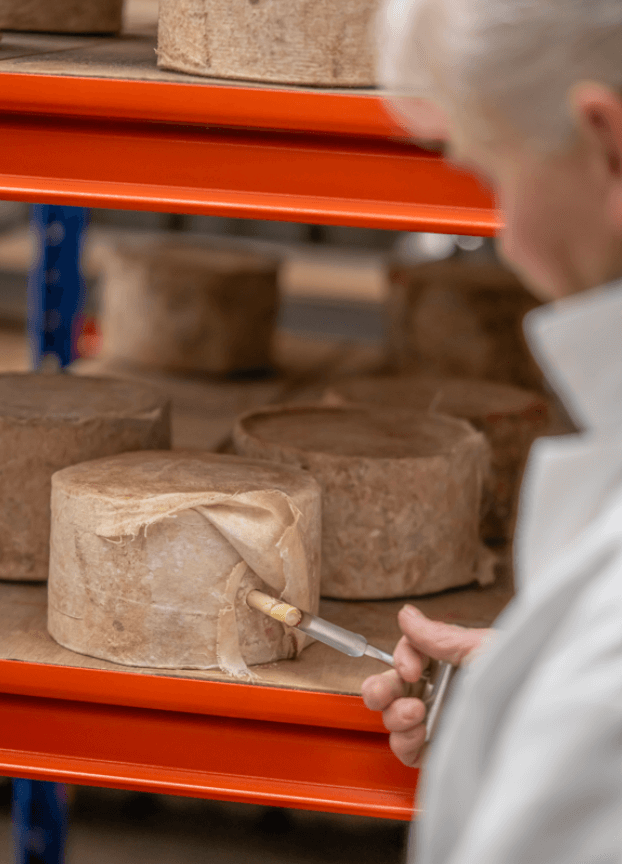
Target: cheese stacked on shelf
62,16
451,318
184,306
48,422
401,493
152,555
510,417
314,42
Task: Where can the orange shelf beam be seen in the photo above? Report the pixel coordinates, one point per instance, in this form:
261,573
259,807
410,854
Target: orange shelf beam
292,109
268,153
190,695
327,158
236,742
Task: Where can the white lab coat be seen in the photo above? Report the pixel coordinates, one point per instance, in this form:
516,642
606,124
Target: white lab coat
527,765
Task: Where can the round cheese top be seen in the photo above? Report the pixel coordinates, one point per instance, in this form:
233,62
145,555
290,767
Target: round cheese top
358,431
473,398
224,259
152,473
62,399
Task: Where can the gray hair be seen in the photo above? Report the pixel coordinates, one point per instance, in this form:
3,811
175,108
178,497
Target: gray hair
510,59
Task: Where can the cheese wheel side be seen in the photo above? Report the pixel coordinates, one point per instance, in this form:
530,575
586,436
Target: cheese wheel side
510,417
188,308
451,319
152,555
62,16
48,423
314,42
400,505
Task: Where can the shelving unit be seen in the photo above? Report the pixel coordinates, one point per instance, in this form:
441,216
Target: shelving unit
93,122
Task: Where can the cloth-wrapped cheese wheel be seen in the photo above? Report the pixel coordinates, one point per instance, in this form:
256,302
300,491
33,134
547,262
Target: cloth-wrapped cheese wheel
184,307
152,555
48,422
315,42
62,16
510,418
449,318
401,493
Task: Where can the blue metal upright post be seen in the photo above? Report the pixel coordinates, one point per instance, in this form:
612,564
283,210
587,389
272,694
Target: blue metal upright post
55,301
55,284
39,822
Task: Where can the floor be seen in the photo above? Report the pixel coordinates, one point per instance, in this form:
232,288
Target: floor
116,827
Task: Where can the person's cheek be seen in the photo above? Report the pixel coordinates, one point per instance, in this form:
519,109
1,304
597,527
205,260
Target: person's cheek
523,243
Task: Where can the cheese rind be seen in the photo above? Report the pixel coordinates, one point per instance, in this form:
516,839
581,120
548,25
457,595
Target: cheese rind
453,319
510,417
48,422
401,493
315,42
62,16
152,555
186,307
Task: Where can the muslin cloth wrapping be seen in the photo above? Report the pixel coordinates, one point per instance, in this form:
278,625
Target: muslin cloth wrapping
152,555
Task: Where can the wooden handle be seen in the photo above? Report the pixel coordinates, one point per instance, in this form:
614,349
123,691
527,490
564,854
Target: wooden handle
277,609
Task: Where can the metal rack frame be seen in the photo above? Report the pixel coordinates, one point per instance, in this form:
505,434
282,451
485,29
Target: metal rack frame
267,153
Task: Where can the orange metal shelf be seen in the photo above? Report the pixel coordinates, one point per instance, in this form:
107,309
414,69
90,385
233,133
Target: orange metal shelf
303,156
234,742
268,153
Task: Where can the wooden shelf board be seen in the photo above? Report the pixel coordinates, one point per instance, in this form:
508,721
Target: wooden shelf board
299,736
88,76
321,686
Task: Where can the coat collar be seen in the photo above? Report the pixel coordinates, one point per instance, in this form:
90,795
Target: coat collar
578,343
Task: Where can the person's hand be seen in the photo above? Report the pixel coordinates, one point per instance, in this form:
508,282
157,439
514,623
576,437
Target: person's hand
423,639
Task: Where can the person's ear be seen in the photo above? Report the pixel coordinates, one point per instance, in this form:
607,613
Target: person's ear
598,114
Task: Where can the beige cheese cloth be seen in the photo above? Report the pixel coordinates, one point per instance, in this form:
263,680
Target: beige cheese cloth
313,42
152,556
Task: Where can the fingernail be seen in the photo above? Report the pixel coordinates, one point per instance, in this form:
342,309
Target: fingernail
411,611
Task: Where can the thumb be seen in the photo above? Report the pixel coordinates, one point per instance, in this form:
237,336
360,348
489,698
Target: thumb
438,640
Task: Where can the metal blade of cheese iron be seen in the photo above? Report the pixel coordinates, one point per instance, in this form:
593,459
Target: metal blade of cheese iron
352,644
355,645
434,693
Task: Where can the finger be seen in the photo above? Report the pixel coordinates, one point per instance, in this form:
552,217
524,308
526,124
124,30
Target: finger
380,690
403,714
407,746
436,639
409,662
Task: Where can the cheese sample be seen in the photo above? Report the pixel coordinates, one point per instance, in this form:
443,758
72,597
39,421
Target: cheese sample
152,555
401,493
316,42
182,307
62,16
48,422
510,417
450,319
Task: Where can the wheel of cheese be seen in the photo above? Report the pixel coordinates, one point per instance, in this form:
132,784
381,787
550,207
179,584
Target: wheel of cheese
187,308
450,319
62,16
315,42
152,555
510,417
48,422
401,493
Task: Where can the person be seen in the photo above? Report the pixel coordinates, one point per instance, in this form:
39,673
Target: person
526,767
